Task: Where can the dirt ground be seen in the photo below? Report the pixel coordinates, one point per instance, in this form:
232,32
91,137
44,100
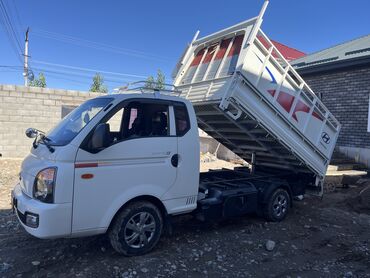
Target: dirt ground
319,238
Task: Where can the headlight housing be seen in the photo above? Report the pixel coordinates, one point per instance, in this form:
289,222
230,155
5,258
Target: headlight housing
43,188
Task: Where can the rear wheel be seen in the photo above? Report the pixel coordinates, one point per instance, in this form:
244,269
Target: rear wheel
137,229
277,206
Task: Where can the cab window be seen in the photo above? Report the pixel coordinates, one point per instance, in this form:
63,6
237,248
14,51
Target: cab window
146,120
135,120
182,119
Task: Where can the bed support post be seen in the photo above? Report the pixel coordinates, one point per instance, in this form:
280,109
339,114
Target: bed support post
253,163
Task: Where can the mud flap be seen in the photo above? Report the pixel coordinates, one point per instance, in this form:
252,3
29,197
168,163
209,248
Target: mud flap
168,226
317,189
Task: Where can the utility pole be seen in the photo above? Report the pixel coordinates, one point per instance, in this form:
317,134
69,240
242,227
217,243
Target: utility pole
25,72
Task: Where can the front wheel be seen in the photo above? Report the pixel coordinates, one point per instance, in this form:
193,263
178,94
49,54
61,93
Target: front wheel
277,206
137,229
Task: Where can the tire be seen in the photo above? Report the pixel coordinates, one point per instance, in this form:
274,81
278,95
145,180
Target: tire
137,229
277,206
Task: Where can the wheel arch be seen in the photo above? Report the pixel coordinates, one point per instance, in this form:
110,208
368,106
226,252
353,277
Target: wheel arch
273,187
148,198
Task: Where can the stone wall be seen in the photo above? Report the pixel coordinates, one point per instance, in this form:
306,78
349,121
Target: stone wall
22,107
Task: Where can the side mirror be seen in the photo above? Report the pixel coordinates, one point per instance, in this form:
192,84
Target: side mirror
101,136
31,132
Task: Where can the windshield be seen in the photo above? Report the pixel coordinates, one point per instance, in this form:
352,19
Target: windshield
74,122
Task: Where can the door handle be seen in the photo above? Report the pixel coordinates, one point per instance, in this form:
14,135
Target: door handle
175,160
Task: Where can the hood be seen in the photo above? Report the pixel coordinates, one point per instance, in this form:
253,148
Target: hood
38,159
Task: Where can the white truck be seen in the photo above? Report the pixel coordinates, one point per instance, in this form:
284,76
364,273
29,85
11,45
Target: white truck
124,164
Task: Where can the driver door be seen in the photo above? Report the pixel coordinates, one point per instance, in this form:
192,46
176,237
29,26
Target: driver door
136,162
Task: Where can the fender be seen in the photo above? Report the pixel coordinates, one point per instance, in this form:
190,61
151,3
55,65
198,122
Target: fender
128,195
265,192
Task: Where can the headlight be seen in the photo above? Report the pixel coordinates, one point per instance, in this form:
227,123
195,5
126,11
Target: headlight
43,188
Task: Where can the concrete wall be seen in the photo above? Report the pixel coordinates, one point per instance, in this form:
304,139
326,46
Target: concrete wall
208,144
360,155
42,108
346,94
22,107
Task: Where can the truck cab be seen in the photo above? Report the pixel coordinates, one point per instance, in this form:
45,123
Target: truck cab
112,151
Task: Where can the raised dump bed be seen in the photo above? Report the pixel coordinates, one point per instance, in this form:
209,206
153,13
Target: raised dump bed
249,98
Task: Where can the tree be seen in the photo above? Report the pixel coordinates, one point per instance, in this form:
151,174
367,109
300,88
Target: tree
38,82
158,83
98,84
150,82
161,80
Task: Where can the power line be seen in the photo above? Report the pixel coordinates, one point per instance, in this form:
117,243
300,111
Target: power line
86,82
17,17
88,69
10,24
96,45
62,72
49,75
12,31
9,70
9,30
54,76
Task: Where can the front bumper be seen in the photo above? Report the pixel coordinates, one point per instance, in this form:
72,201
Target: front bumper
53,220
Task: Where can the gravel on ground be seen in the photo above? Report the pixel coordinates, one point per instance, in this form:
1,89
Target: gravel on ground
327,237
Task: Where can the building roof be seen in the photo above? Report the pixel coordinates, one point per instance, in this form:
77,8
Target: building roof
353,52
288,52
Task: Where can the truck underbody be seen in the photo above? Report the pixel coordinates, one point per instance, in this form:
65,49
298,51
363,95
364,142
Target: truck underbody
228,193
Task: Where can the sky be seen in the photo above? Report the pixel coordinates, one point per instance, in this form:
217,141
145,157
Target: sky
125,41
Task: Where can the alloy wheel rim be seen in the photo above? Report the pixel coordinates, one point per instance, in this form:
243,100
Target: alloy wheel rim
139,230
280,205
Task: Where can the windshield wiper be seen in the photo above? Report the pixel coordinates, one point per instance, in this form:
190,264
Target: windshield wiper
37,134
46,141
